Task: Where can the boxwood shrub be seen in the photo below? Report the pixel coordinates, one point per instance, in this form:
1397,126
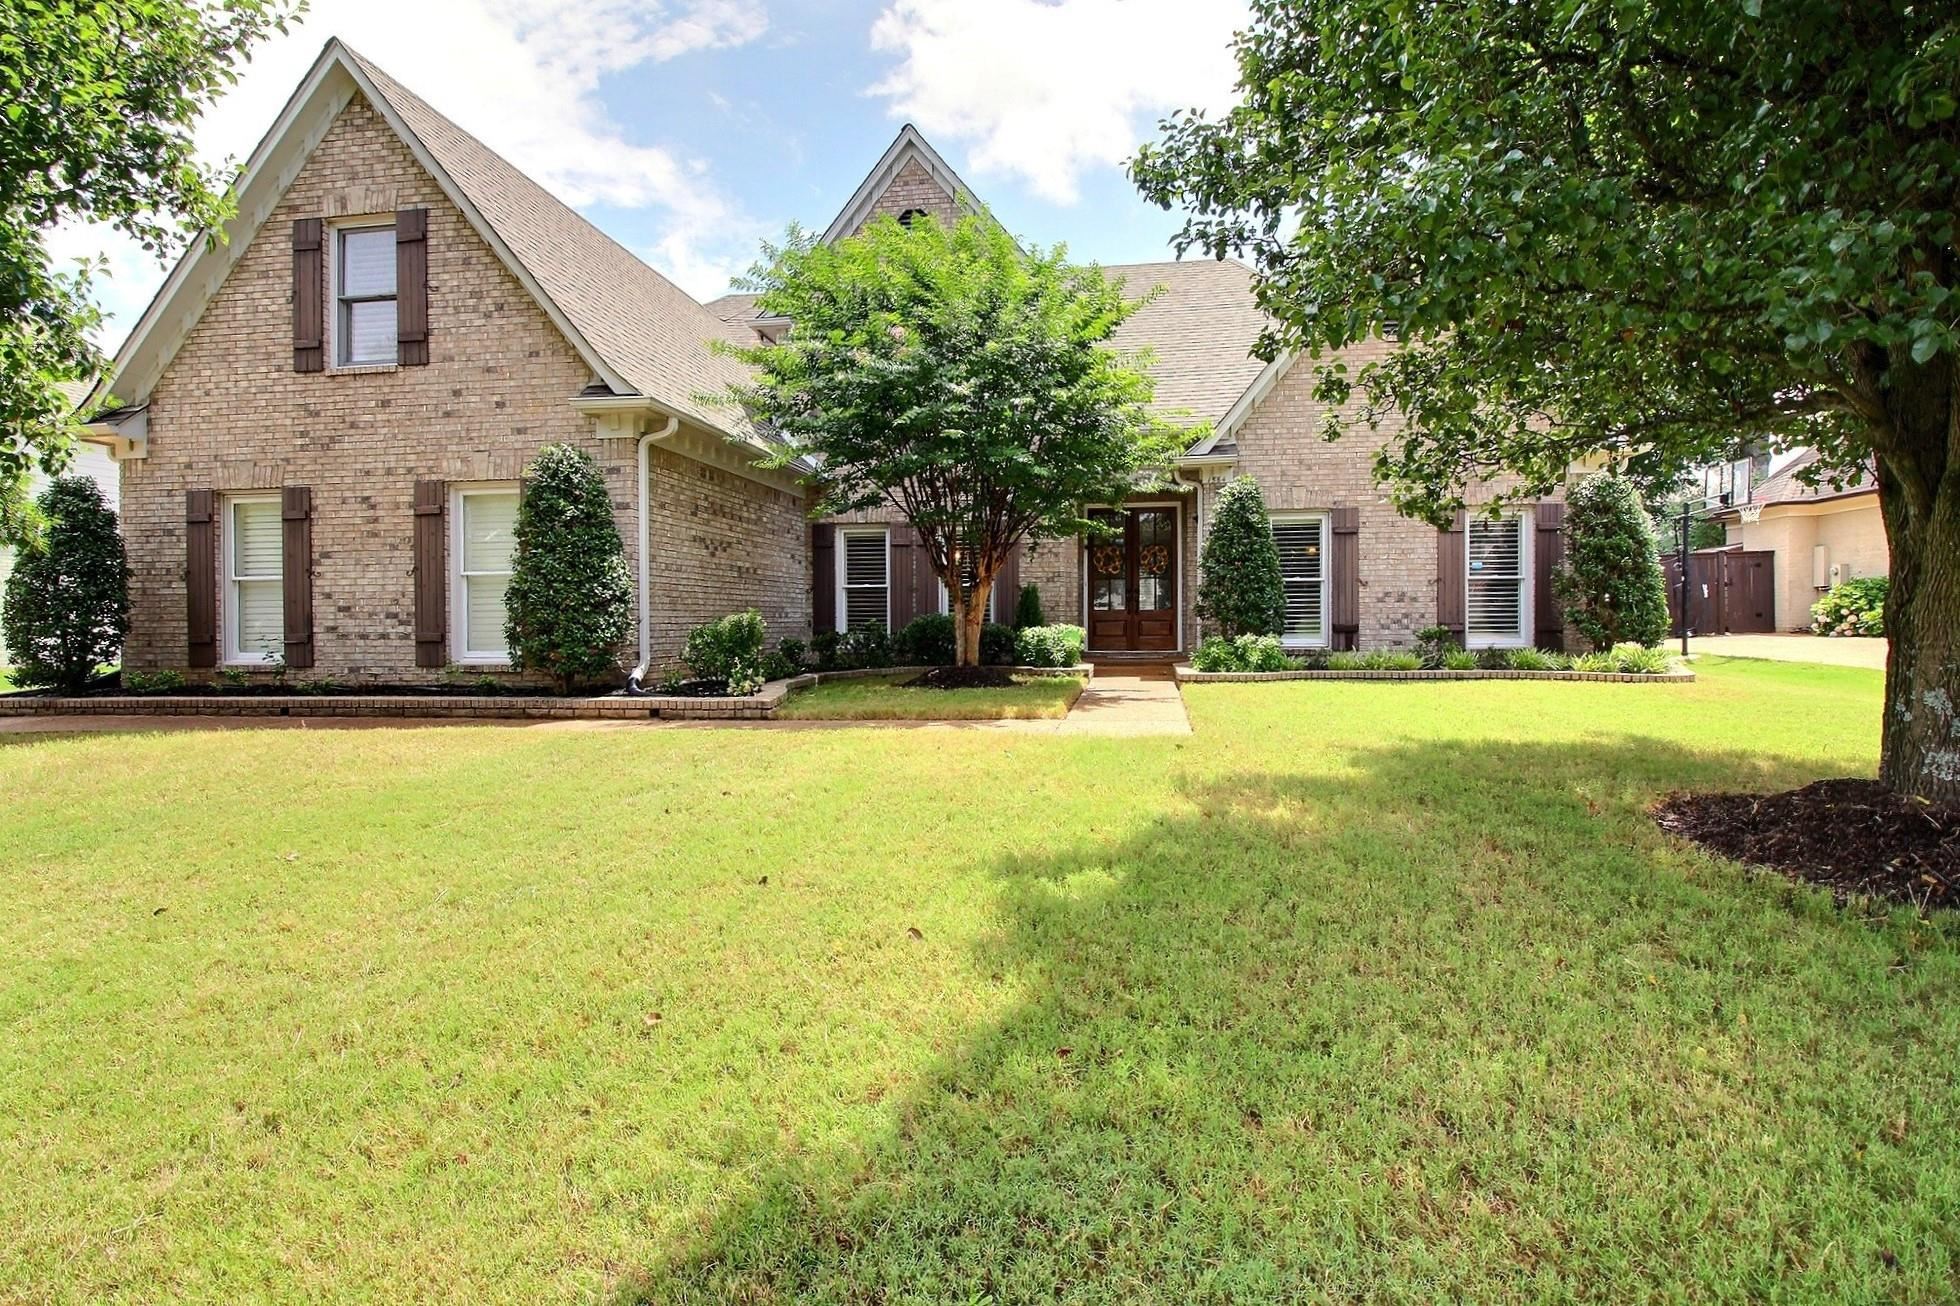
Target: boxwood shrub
1050,646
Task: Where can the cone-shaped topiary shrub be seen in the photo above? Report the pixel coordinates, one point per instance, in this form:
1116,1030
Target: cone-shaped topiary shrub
1027,612
1239,587
66,609
1611,581
570,602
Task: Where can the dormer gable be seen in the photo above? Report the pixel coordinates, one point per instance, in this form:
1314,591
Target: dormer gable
910,178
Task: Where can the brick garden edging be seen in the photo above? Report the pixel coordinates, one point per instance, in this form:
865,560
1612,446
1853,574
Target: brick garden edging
759,706
1185,675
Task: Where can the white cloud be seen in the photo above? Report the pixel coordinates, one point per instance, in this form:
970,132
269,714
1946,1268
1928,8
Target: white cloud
523,76
1044,89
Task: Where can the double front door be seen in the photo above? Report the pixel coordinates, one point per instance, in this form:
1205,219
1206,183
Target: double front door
1132,574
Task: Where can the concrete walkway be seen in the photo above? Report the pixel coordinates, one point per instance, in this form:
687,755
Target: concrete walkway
1841,652
1126,702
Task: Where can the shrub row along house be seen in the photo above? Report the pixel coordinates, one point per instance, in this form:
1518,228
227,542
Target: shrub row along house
322,427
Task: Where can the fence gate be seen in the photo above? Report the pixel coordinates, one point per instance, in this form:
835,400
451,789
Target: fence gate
1730,592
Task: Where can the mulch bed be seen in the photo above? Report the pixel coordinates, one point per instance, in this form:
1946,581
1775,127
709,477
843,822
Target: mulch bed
1854,837
961,678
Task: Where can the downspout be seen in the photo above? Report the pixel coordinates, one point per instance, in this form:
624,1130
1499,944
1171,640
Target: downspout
644,526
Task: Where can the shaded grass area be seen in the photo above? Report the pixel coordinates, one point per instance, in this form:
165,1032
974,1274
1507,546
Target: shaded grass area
888,698
1383,991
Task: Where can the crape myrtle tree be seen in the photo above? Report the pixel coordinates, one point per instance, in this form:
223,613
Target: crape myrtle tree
1652,232
97,102
945,372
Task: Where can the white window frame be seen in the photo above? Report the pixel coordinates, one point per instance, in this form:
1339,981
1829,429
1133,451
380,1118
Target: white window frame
459,625
842,569
1525,525
1326,520
993,600
336,335
228,549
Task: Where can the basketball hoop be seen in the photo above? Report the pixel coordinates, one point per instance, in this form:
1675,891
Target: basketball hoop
1751,513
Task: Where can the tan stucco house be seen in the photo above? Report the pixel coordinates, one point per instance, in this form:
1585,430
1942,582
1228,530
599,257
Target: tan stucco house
321,424
1820,534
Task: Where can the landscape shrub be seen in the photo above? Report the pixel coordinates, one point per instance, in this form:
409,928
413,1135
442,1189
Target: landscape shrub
1434,644
926,641
1050,646
152,682
1493,659
1852,607
1639,660
728,650
1532,659
869,645
1347,660
1240,591
784,660
1242,653
997,645
1314,659
1611,581
66,609
1597,660
823,649
569,605
1027,612
1389,659
1457,659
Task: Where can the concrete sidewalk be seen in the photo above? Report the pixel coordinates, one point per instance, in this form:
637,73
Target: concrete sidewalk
1835,652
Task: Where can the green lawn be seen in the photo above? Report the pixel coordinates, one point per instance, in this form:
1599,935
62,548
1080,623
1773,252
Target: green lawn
885,698
1376,991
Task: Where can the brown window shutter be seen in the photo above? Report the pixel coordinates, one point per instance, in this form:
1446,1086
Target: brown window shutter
412,287
1007,587
904,559
296,572
1549,544
1344,559
1451,576
309,287
431,574
823,577
201,577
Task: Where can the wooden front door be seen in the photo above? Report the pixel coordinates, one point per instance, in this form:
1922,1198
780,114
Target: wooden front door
1133,581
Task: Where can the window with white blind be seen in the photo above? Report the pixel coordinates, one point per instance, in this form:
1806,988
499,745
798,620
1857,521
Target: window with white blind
863,578
479,559
255,612
364,296
1497,598
1301,539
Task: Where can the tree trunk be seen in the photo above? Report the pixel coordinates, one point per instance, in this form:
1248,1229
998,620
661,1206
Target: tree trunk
1919,496
1920,750
970,615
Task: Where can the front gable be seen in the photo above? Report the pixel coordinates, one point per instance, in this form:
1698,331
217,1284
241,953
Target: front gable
910,177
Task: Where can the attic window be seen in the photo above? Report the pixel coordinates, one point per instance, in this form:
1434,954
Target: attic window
364,296
910,216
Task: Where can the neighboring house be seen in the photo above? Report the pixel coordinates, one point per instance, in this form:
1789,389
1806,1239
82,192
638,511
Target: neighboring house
88,460
1819,534
324,420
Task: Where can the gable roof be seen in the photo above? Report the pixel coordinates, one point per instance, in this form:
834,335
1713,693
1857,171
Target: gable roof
640,333
1200,329
1784,487
908,146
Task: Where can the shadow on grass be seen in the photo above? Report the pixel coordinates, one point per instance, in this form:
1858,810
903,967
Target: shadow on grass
1457,1023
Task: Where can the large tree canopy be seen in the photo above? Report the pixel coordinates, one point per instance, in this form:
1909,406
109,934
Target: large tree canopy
1645,229
967,383
97,102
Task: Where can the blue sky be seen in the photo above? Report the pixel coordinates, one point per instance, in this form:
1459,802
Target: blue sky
692,129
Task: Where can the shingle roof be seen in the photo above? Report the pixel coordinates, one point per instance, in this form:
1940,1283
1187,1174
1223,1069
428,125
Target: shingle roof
1784,487
1201,330
647,329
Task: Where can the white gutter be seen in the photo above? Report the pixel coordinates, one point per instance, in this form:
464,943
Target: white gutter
644,525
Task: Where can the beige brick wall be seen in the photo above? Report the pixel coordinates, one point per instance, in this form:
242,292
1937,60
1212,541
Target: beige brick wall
1852,533
914,188
230,414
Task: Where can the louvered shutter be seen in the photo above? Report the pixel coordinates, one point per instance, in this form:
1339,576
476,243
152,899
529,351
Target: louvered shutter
309,290
1345,560
412,287
201,578
907,561
296,513
1302,546
1449,578
1494,606
1006,598
823,578
1548,555
431,575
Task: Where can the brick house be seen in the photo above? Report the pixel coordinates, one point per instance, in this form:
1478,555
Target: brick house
322,423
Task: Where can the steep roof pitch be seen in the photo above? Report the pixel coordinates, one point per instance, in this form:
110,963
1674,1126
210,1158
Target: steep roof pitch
1200,329
907,147
640,333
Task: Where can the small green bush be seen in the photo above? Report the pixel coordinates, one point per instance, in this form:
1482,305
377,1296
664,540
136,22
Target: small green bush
1347,660
1242,653
152,682
1532,659
1493,659
1852,607
1050,646
784,660
569,606
1434,644
728,650
997,644
869,645
1598,660
1388,659
1240,590
1457,659
1611,581
66,609
1027,612
926,641
1314,659
824,645
1635,660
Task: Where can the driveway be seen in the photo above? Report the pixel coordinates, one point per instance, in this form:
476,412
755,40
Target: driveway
1847,652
